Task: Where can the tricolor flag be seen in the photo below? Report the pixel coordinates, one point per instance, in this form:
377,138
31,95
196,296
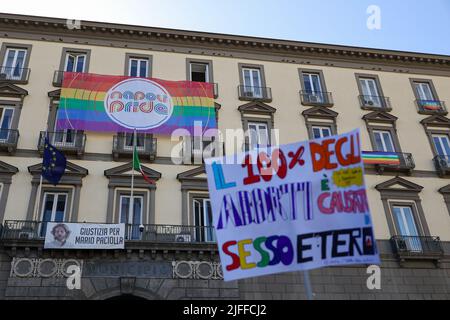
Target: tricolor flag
138,167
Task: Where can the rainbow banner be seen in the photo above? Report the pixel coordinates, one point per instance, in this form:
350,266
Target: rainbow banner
379,157
431,105
104,103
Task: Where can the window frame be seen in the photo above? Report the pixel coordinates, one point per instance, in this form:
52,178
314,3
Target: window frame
321,127
379,89
27,47
76,51
259,67
414,81
209,63
371,128
129,56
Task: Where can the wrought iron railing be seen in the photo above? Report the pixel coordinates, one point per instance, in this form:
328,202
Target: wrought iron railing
69,141
145,145
442,164
375,103
33,230
58,77
14,74
431,107
254,93
9,139
316,98
417,245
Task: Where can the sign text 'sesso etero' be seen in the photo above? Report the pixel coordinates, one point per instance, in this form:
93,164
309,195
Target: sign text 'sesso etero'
139,104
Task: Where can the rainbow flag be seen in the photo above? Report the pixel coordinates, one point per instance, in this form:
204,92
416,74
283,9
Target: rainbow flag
431,105
379,157
105,103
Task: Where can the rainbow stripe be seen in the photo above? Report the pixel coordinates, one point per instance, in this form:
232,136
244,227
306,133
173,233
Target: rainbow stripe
431,105
82,107
378,157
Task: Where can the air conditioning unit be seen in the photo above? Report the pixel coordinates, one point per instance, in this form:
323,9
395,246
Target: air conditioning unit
248,94
368,102
183,238
314,98
25,235
3,76
401,245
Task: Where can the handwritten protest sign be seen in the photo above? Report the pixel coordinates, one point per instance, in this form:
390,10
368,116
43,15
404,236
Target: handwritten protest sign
295,207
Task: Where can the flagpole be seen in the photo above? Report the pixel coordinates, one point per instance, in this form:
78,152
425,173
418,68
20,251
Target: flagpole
36,211
130,214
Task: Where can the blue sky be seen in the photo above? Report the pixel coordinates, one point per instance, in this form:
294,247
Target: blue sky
409,25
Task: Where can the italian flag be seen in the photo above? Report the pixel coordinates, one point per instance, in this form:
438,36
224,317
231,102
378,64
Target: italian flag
138,167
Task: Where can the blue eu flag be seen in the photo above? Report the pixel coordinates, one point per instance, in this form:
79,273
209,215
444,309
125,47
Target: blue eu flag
54,164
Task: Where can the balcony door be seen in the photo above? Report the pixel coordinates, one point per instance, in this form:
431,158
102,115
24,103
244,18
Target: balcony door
258,135
199,72
128,141
407,227
321,132
135,219
14,63
370,92
383,141
442,145
138,67
75,62
313,87
53,209
252,82
204,231
6,116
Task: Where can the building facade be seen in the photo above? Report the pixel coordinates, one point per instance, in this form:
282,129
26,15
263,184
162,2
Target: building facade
305,90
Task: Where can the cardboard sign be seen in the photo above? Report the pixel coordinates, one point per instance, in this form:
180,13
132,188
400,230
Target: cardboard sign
295,207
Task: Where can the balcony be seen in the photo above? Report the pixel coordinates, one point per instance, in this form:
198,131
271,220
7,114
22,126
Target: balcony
123,146
58,77
316,98
249,93
417,247
67,141
375,103
14,74
33,230
442,165
389,161
8,140
430,107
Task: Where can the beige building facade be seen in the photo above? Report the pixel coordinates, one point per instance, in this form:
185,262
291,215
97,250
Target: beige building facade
304,90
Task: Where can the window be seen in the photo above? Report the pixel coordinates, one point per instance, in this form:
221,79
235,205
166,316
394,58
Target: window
128,141
138,67
75,62
406,225
134,220
258,134
53,209
383,141
321,132
14,63
370,92
424,91
312,82
199,72
204,231
442,145
6,116
252,82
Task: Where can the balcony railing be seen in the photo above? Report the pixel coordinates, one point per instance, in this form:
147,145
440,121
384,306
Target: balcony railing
68,141
255,93
14,74
431,107
9,139
33,230
58,78
417,246
442,164
375,103
316,98
392,161
216,90
123,146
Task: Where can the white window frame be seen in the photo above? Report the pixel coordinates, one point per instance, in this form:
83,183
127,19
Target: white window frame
321,129
10,72
370,92
129,220
207,228
56,196
412,244
383,142
421,91
10,124
259,129
441,143
252,87
139,61
76,61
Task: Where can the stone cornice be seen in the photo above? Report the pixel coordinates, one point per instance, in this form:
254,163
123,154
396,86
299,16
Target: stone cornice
57,27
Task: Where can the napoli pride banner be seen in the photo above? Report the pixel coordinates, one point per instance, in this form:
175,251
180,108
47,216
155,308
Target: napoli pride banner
104,103
61,235
295,207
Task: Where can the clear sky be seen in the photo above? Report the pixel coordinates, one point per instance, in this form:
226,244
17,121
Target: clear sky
409,25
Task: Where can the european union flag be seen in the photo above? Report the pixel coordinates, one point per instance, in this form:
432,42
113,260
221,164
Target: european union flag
54,164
